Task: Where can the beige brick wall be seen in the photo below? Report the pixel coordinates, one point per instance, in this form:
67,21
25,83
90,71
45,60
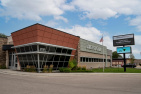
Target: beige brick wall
3,41
93,64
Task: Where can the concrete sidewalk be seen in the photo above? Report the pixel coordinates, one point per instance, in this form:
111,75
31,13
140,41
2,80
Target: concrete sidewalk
20,73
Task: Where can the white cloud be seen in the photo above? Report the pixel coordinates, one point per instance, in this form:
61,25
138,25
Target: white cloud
61,18
95,9
136,22
51,23
33,9
90,33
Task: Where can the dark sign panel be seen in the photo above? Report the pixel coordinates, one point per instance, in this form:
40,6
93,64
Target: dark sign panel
122,40
121,50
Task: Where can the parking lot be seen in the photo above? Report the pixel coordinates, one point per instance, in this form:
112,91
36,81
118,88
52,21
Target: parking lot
70,83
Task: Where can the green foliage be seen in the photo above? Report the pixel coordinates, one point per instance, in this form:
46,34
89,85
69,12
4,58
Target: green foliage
84,68
30,68
2,67
116,55
65,69
81,71
117,70
3,35
72,64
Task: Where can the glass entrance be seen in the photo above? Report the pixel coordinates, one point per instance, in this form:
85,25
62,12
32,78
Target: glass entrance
12,61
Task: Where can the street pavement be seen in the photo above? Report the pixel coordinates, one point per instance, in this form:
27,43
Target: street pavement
14,82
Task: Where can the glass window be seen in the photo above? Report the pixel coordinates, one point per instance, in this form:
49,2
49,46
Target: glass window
56,58
69,51
81,59
86,59
42,48
52,49
22,49
58,50
34,47
47,48
62,58
50,58
18,50
67,58
27,49
65,64
64,51
90,60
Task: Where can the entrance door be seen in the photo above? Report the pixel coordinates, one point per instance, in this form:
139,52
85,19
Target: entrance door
12,61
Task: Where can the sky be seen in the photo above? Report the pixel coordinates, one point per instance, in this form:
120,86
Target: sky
88,19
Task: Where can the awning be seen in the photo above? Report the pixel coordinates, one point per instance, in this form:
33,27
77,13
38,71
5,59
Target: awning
7,47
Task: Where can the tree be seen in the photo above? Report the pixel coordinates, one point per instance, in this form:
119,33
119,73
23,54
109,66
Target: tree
3,35
116,55
132,58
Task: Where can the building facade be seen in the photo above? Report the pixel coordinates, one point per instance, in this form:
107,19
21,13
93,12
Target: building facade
40,45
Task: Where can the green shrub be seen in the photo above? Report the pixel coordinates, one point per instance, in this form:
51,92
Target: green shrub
79,68
65,69
83,67
2,67
71,65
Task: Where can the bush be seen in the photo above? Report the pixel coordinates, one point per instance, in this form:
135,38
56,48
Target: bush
83,67
30,68
71,65
45,69
64,69
2,67
50,68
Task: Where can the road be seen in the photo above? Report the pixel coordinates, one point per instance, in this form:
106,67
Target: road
74,84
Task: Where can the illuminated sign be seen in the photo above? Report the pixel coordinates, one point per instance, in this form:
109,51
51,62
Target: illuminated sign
95,48
122,40
121,50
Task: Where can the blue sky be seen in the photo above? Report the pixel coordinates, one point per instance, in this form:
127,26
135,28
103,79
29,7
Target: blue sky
88,19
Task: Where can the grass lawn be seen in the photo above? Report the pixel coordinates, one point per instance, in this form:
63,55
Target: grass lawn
117,70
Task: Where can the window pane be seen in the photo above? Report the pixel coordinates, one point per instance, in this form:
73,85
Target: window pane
62,58
64,51
22,49
56,58
18,50
69,51
42,48
52,49
47,48
67,58
50,57
58,50
81,59
34,47
27,48
86,59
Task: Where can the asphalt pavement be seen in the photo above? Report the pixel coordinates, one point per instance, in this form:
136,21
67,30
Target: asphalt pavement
14,82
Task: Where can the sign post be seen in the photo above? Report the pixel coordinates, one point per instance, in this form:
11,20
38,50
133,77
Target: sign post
123,40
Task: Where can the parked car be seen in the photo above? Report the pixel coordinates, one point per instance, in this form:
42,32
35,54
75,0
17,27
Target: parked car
130,65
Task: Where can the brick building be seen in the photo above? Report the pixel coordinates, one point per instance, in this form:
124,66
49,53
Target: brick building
40,45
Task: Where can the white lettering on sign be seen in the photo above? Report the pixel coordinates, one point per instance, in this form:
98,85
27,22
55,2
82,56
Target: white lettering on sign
42,49
95,48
